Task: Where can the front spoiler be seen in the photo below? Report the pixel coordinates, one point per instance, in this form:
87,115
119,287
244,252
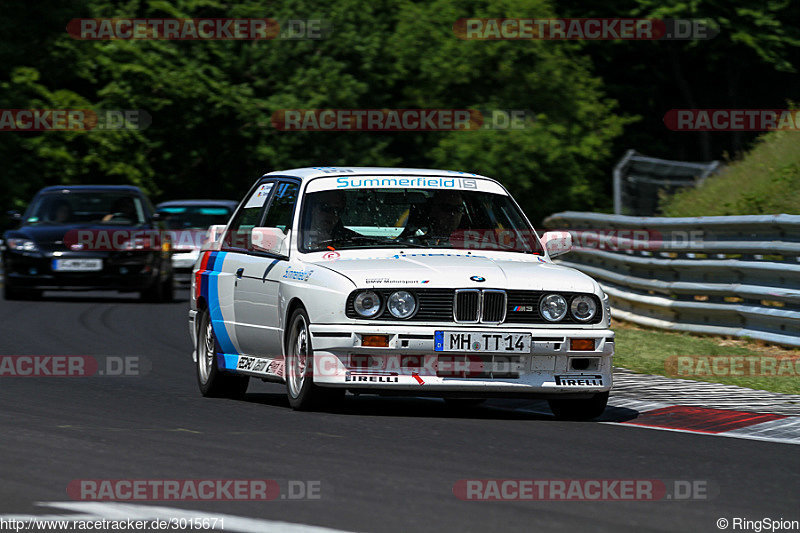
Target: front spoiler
546,370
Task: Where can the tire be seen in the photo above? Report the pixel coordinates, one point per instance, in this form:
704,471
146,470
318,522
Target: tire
14,293
161,291
214,383
580,409
168,289
303,395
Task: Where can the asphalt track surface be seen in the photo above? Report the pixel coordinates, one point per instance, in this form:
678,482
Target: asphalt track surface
385,464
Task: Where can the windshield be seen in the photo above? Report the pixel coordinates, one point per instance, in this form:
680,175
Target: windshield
195,216
414,218
86,207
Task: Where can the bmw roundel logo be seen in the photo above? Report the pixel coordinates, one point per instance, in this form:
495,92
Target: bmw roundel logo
479,279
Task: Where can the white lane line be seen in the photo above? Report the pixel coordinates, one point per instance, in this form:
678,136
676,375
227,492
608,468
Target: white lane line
126,511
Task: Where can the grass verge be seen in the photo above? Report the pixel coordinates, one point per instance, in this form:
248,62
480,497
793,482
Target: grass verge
654,351
765,181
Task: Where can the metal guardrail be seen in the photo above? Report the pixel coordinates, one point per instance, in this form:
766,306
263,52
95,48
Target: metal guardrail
639,179
729,275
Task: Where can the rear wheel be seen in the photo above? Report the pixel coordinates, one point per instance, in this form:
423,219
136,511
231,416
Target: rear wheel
299,368
580,409
213,382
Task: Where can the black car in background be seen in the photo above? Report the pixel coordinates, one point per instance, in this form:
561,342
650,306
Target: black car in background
188,222
87,237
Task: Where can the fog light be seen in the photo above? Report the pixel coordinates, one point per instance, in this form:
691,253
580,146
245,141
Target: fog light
581,345
375,341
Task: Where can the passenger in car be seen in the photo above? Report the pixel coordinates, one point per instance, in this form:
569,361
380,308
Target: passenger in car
60,211
435,221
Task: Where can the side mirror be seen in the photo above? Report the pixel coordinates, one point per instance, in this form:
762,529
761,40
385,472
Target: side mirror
213,239
270,240
557,242
14,216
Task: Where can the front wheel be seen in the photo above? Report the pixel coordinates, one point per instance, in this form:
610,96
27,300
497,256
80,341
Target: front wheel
299,368
213,382
14,293
160,291
580,409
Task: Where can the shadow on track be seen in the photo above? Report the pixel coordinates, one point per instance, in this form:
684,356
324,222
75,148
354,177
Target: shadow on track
389,406
404,406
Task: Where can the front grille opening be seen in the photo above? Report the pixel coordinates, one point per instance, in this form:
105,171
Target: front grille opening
467,305
482,366
584,363
494,306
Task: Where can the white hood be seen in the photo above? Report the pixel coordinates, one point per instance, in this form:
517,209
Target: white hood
455,270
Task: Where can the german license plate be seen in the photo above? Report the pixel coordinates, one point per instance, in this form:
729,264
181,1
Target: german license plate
77,265
460,341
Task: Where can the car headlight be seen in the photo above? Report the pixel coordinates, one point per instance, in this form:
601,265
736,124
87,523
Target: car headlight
583,308
22,245
553,307
402,304
367,304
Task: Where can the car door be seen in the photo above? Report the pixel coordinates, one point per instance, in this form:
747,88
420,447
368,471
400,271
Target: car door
227,267
257,303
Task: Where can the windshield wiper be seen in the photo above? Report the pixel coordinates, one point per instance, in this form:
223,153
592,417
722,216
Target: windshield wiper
367,239
412,244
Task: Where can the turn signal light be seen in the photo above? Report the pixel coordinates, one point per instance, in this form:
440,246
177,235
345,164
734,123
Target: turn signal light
581,345
375,341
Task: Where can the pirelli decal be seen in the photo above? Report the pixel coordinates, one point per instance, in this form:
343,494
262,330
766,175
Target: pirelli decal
579,381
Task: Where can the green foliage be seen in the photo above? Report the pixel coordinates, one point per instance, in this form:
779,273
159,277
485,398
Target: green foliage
211,101
751,63
765,181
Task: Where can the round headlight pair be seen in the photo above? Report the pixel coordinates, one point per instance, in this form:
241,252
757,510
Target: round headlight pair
553,308
401,304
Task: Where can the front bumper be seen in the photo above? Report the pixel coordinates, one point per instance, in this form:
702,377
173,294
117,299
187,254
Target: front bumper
411,364
122,271
183,264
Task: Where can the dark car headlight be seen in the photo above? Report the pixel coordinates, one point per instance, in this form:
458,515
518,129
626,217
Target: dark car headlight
22,245
583,308
367,304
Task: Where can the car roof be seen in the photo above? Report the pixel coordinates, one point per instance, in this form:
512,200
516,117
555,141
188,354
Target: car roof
188,203
127,188
307,173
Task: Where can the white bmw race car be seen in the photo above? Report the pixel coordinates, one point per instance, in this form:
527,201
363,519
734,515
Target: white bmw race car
396,281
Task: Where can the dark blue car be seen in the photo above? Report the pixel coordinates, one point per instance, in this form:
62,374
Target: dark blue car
88,237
